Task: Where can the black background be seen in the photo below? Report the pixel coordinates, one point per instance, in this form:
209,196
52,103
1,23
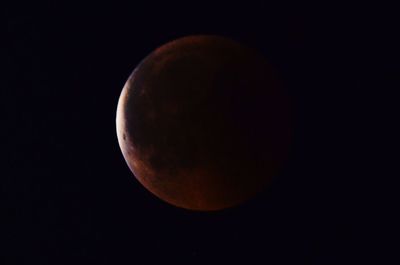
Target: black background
69,195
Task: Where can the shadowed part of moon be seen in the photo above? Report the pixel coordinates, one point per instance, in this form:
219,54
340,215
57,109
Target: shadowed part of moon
203,123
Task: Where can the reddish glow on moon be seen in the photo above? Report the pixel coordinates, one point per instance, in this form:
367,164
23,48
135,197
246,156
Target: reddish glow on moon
203,123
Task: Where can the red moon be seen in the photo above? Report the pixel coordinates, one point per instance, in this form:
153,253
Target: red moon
203,123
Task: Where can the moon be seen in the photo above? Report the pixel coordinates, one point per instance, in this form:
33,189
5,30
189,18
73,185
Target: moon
203,123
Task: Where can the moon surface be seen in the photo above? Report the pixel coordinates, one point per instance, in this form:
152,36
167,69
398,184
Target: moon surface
203,123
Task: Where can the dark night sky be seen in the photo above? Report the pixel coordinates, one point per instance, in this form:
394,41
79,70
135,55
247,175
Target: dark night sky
71,199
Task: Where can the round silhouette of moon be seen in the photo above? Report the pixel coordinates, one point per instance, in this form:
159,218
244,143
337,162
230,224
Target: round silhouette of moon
203,123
